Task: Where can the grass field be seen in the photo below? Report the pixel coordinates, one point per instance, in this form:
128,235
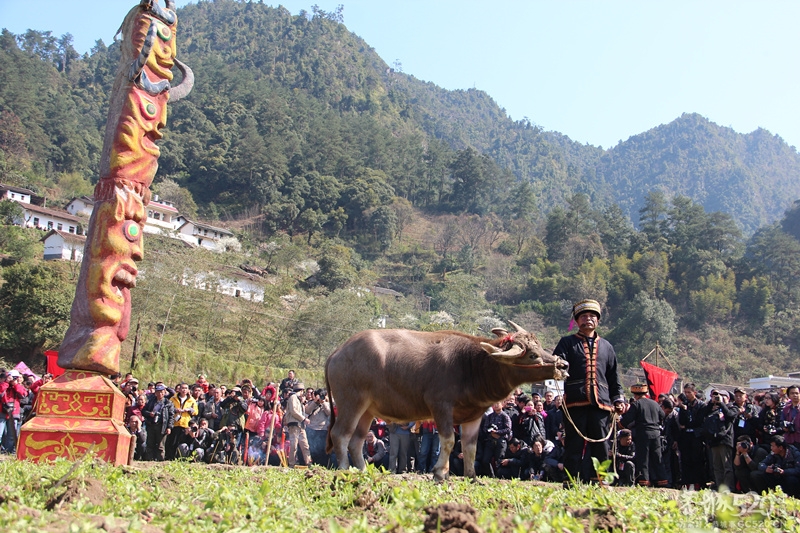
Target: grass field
90,496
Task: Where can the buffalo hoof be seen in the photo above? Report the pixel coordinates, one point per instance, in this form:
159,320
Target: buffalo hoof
437,478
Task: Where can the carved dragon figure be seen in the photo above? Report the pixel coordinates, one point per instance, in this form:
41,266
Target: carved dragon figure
100,316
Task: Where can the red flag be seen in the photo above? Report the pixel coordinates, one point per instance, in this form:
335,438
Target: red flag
659,380
52,363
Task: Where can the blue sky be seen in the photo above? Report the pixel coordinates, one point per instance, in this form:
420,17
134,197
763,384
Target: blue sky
597,71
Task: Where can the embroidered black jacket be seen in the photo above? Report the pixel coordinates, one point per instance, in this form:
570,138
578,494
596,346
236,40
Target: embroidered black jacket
593,375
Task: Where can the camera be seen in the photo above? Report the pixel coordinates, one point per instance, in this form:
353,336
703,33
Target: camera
788,426
744,446
493,428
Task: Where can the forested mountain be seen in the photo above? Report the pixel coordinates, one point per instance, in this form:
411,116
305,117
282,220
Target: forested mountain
279,96
687,233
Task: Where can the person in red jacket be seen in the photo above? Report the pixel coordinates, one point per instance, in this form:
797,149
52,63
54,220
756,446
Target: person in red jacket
12,391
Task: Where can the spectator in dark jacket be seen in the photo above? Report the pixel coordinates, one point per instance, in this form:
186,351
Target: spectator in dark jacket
531,423
625,458
646,416
374,449
516,460
554,462
692,448
159,415
495,430
137,430
745,462
554,420
747,416
781,467
718,416
671,432
769,419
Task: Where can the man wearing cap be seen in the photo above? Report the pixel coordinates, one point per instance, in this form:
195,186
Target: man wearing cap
718,416
593,388
746,419
645,417
159,415
294,422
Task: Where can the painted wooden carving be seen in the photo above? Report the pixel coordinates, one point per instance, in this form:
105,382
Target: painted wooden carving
100,315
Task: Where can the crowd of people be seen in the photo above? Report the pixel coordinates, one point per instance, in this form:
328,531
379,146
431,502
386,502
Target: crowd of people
726,441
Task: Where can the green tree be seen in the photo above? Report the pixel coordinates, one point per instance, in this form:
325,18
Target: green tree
20,244
34,308
181,198
645,321
754,301
791,220
335,268
653,219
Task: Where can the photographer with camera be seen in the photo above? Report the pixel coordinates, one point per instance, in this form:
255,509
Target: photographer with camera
747,418
781,467
790,417
318,411
196,439
496,430
234,409
294,422
745,462
718,416
226,448
131,390
769,419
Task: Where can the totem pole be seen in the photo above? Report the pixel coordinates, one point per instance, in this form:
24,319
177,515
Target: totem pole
82,409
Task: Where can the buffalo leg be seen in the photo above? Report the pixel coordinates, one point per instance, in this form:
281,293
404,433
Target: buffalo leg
469,445
343,432
444,423
356,445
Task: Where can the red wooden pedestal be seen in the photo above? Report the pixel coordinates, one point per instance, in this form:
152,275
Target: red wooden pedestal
77,412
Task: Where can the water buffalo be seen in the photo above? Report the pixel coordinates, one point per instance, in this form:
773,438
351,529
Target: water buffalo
448,376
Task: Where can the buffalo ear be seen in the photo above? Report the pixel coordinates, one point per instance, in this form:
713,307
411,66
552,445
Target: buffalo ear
500,332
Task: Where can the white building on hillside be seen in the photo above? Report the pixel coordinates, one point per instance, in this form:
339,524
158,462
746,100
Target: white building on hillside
202,234
81,206
60,245
161,215
17,194
44,218
231,281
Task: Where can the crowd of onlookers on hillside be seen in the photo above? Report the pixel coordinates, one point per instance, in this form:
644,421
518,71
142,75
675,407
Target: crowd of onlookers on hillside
730,439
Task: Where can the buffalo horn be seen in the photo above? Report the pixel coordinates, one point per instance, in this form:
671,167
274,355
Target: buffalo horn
488,348
512,353
519,328
500,332
185,86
